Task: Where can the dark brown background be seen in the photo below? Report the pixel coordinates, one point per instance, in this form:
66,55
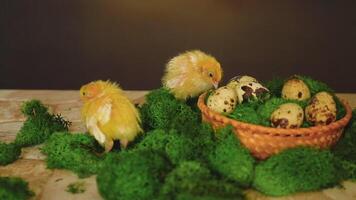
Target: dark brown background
64,44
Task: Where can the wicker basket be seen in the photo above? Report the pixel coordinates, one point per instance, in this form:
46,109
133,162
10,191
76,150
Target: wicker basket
265,141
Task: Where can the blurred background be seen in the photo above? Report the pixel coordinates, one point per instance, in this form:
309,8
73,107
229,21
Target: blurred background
55,44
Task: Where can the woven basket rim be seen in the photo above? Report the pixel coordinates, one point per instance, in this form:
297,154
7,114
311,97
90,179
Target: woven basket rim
276,131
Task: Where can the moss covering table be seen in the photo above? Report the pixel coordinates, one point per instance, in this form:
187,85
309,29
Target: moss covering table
52,184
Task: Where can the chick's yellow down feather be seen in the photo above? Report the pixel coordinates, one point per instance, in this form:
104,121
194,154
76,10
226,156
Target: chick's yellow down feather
108,114
191,73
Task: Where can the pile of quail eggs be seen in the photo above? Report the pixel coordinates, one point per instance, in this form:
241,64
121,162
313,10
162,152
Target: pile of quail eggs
238,90
321,108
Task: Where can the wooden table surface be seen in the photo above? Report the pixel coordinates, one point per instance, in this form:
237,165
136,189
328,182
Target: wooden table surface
52,184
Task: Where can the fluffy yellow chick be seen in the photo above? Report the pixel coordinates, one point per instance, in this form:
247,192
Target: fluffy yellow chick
108,114
191,73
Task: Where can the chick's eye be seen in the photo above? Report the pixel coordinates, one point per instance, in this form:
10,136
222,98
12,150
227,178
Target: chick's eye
211,74
83,93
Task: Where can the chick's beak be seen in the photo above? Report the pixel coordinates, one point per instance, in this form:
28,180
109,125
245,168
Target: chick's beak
216,84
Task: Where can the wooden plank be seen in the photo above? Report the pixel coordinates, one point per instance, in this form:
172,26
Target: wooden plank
33,171
56,187
58,96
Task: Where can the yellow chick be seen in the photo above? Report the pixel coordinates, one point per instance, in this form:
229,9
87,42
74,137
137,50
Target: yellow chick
108,114
191,73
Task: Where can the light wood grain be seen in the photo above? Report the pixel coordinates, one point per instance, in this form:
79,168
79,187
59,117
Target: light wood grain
51,184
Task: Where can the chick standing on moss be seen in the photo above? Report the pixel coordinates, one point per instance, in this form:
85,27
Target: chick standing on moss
108,114
191,73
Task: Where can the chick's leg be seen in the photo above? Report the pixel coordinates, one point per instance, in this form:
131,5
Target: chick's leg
108,145
124,143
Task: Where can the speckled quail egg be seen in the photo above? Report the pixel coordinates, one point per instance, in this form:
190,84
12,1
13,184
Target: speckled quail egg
249,90
296,89
321,109
239,79
288,115
222,100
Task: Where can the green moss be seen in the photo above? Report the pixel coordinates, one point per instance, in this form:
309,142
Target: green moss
345,150
340,109
132,175
246,113
314,86
306,124
9,153
185,196
296,170
76,187
208,93
75,152
195,144
192,180
193,104
177,147
231,159
14,189
203,139
37,128
163,111
40,124
33,108
275,86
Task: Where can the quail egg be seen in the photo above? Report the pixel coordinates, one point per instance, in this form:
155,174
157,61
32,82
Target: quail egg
249,90
296,89
239,79
222,100
321,109
288,115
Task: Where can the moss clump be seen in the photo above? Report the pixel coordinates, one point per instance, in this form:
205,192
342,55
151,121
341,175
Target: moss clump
296,170
340,109
132,175
345,150
246,113
184,196
177,147
275,86
192,180
9,153
163,111
314,86
75,152
14,189
76,187
203,139
231,159
40,124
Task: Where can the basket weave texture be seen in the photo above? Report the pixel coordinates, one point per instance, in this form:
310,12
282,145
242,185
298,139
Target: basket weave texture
266,141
